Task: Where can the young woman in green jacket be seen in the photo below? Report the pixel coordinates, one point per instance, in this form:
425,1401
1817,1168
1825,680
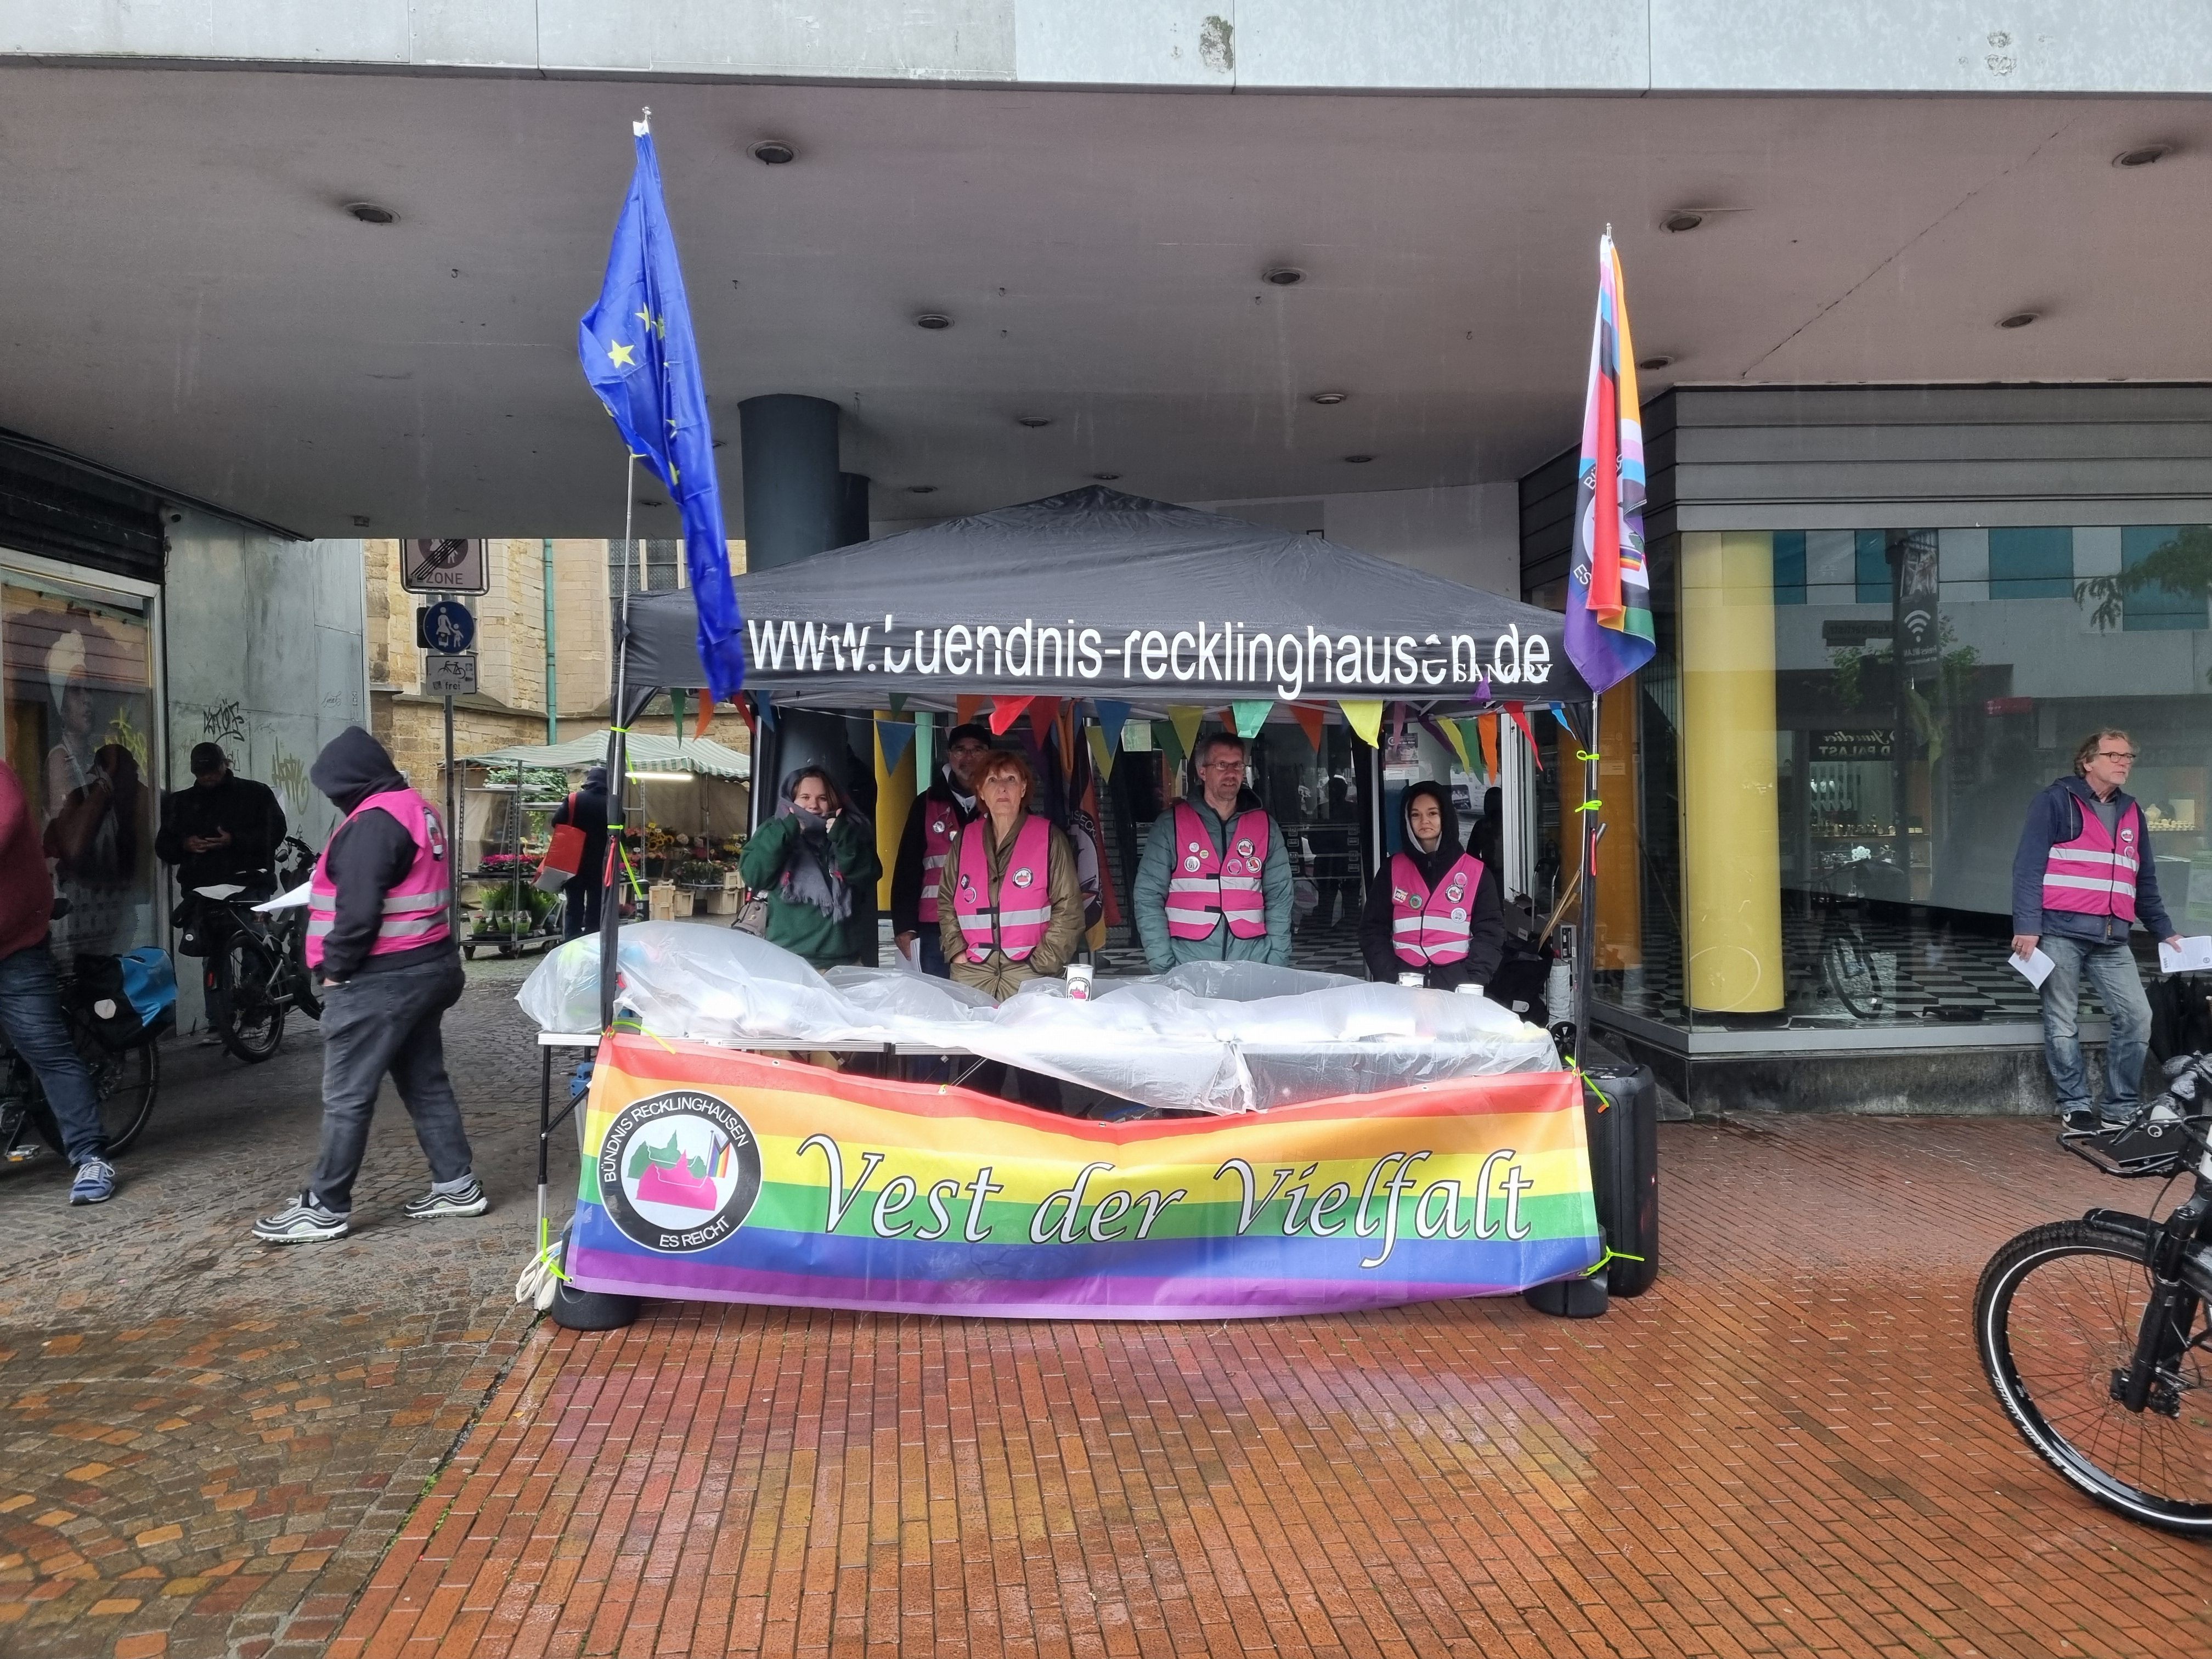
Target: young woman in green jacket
806,861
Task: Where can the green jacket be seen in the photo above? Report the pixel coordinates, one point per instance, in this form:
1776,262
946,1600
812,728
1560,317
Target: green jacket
1148,897
801,928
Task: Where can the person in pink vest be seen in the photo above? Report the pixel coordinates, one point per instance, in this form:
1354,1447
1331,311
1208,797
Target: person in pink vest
1436,910
926,842
1214,884
379,939
2082,878
1010,906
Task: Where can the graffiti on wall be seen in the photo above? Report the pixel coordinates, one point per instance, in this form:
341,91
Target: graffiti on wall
223,720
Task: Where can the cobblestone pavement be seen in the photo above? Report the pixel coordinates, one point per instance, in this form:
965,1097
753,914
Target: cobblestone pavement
207,1443
1784,1448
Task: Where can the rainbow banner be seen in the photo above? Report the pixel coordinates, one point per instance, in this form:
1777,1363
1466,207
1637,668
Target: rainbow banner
719,1175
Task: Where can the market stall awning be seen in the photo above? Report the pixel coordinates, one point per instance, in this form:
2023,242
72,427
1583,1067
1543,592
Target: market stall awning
647,753
1098,594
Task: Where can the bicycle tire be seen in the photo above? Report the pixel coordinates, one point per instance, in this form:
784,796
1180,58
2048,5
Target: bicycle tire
301,977
1850,974
126,1080
247,966
2050,1346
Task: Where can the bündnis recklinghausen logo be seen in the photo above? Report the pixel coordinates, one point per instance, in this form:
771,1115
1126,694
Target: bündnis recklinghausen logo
679,1171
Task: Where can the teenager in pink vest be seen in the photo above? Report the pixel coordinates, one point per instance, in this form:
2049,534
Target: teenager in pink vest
926,844
379,939
1010,907
1214,884
1434,910
2083,878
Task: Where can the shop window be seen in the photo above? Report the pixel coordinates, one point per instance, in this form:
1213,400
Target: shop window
1790,569
1870,566
2174,598
2035,563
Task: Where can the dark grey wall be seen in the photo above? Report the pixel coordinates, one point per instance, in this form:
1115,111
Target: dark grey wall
1874,458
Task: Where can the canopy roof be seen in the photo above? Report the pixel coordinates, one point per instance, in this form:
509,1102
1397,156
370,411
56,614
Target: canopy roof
647,753
1097,593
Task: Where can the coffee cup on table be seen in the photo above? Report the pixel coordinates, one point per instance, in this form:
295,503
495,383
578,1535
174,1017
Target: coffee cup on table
1079,982
1415,980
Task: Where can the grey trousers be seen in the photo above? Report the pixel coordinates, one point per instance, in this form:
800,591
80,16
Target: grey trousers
380,1022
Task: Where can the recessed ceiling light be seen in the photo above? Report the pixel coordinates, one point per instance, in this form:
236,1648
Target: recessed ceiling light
1360,460
1661,360
1106,477
361,521
2142,155
1330,397
773,152
1033,420
370,213
2019,319
933,320
1682,219
922,489
1284,276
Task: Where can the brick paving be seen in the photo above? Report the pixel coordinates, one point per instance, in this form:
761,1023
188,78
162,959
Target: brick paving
207,1443
1786,1448
214,1447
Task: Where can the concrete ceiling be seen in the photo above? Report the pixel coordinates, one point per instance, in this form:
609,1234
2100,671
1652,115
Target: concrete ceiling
182,296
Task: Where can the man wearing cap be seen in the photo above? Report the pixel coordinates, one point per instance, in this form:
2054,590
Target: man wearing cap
224,829
937,817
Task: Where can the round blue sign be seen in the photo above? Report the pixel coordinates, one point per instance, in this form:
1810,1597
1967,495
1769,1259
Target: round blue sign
449,627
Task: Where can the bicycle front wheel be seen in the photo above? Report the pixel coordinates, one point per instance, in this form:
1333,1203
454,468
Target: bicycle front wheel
2056,1318
1850,974
256,1022
124,1080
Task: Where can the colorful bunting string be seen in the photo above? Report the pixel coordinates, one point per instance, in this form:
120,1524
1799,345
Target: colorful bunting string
1004,711
1309,720
1246,717
1186,721
1366,715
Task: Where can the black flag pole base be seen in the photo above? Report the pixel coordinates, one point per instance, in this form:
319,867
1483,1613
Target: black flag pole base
1570,1299
593,1311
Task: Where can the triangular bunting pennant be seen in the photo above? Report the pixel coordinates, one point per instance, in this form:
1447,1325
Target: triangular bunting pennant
1521,718
1470,744
706,715
1102,751
1482,690
1452,735
1487,725
1187,722
1309,719
1366,715
766,705
1112,717
1165,738
1044,716
966,707
1004,711
1246,718
896,737
898,703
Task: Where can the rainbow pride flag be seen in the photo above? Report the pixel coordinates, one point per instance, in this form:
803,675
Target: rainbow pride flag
826,1190
1609,633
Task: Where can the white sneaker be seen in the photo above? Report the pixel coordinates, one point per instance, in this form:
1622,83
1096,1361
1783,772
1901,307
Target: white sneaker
470,1200
302,1221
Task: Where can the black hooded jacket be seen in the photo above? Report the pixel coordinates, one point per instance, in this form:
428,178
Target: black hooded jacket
587,810
1486,927
367,857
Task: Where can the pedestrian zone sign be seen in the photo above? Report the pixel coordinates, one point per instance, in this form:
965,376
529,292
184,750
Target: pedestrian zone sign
443,565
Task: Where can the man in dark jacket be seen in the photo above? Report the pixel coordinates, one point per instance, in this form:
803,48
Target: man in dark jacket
587,810
950,801
1429,830
223,829
384,995
2084,874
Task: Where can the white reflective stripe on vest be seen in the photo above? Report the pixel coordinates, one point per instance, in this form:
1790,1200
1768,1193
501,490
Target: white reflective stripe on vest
2089,884
1023,918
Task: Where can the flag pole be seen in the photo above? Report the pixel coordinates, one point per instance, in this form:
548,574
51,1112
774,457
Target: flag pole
1586,923
618,767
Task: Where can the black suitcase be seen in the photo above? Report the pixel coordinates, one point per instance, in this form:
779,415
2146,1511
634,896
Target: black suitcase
1624,1144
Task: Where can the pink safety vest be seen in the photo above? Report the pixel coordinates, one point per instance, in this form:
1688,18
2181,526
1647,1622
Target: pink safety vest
939,828
1423,932
1015,918
1206,885
415,910
2094,873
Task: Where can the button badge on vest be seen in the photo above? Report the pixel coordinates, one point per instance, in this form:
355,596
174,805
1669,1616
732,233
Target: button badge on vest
1023,878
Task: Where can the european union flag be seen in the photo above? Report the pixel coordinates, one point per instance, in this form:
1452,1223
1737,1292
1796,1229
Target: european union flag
641,358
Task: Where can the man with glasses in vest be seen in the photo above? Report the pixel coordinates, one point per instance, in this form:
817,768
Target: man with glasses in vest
1214,884
379,938
2083,878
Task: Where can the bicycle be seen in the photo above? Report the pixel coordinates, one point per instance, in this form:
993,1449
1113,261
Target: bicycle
1846,965
2094,1333
256,964
126,1080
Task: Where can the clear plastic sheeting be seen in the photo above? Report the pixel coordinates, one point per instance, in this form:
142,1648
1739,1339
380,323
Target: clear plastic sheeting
1207,1036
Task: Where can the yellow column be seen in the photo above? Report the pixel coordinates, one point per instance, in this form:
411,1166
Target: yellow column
1731,839
894,800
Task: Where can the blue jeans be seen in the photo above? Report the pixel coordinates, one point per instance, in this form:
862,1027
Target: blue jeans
31,1015
2111,968
929,952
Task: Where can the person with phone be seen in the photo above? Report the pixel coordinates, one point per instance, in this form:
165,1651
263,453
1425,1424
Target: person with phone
806,861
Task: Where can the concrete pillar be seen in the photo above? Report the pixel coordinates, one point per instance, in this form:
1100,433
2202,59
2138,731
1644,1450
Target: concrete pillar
852,508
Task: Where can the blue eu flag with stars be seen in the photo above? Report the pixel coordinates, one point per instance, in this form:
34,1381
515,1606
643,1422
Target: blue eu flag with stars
641,358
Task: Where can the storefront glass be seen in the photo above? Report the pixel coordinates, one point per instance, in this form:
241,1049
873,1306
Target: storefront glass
1837,744
80,702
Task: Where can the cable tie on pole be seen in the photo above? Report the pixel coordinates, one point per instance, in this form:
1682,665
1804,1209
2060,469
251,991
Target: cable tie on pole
1591,806
1585,755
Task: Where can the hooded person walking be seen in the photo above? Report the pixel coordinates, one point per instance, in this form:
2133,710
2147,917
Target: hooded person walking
1436,910
806,861
379,938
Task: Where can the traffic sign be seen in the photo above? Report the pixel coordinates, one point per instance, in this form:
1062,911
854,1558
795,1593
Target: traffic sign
447,627
450,677
447,564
